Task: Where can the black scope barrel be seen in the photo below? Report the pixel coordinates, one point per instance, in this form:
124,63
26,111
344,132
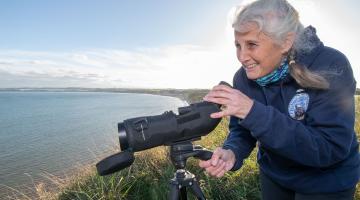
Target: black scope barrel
146,132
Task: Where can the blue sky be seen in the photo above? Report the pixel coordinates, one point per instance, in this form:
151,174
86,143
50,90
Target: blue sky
67,24
152,44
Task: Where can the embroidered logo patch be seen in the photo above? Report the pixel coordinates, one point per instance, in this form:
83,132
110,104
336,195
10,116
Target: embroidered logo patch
298,105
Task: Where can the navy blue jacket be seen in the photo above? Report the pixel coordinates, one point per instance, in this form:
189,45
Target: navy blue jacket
305,136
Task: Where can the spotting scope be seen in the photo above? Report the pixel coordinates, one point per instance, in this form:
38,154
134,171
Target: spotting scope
146,132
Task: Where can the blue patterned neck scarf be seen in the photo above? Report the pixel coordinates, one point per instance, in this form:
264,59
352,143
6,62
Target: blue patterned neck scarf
278,74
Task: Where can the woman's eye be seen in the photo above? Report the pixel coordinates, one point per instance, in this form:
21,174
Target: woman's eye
252,45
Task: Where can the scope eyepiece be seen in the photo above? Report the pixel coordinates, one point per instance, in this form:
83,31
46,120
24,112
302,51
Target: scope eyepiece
123,140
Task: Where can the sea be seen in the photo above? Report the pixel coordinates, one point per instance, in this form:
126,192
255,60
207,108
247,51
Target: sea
45,134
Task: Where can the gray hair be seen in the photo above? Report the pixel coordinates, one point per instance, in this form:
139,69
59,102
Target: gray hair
277,18
274,18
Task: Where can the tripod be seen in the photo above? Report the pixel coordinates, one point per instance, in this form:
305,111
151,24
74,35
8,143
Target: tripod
179,153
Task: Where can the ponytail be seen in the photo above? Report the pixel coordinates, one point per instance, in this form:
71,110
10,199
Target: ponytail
304,77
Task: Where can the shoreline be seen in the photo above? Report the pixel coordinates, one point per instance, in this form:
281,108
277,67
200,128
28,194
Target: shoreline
187,95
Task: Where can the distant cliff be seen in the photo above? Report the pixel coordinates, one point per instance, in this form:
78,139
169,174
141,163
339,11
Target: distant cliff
189,95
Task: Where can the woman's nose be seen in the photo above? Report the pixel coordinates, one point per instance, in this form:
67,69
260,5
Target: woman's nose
243,55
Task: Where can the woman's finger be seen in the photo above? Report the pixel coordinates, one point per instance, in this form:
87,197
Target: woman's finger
219,169
210,170
220,114
222,88
218,100
221,93
229,165
204,163
221,173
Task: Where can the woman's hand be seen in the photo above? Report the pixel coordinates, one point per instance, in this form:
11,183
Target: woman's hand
235,103
221,161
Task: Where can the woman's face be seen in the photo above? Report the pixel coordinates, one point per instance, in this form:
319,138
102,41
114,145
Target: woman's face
257,52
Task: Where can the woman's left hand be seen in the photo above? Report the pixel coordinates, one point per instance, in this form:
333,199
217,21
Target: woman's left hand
234,102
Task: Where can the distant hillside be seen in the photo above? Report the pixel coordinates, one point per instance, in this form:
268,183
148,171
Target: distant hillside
189,95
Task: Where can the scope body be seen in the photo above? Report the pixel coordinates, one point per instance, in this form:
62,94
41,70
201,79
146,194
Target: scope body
193,121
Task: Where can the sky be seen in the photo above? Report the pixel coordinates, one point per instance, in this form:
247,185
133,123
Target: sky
143,44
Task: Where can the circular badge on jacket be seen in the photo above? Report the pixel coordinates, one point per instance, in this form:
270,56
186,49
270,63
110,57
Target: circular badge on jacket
298,105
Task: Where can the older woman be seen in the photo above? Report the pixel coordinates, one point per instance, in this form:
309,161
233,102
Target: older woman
295,98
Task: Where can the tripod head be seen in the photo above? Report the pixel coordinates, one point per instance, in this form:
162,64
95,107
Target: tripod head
180,152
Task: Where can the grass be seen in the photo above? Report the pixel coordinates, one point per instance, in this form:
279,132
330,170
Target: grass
357,130
148,177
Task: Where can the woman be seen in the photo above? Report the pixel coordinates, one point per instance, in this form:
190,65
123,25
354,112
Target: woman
295,98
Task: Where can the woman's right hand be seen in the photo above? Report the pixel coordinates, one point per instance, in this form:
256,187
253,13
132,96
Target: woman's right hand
221,162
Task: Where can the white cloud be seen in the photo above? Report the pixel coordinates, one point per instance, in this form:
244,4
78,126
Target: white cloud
178,66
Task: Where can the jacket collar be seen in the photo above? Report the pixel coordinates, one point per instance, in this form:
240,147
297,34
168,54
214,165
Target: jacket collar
305,56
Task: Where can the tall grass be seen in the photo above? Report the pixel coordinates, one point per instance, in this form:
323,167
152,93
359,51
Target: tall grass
357,130
149,176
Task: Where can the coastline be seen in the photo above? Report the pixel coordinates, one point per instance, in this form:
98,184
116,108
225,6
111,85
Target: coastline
187,95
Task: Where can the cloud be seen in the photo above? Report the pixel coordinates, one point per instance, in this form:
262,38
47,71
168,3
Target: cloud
177,66
37,79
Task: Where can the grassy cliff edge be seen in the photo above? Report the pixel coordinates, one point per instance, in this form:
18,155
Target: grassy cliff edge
148,177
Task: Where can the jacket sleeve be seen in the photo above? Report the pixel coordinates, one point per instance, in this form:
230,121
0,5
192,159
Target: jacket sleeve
239,140
326,135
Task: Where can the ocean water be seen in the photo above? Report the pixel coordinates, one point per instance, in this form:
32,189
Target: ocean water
56,132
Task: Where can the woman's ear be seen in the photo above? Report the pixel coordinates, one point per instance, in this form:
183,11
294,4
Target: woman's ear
288,42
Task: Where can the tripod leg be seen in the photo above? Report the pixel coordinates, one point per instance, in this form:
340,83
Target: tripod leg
196,190
183,193
174,191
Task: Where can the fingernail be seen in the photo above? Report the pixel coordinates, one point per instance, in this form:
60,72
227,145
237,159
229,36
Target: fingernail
214,115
